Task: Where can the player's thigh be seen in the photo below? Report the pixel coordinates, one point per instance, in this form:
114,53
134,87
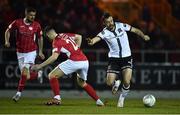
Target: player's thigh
30,57
24,59
68,66
113,70
21,59
83,67
126,69
56,72
127,75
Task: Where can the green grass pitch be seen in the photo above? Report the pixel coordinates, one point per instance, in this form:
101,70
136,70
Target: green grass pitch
87,106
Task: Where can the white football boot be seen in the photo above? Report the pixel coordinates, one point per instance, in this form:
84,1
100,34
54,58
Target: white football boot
17,96
99,103
115,87
121,101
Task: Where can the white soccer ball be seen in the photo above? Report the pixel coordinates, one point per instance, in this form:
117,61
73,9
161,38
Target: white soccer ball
149,100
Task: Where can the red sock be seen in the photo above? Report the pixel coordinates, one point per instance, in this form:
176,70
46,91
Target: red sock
91,92
55,86
33,75
22,82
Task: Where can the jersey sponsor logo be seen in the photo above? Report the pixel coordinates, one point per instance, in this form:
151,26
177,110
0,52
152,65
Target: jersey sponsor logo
30,28
119,30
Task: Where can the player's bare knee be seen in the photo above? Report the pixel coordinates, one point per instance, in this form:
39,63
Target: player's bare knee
127,81
126,84
81,82
50,76
109,83
24,73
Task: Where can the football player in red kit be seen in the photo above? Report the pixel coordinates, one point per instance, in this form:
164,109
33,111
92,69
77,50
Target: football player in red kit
77,62
27,30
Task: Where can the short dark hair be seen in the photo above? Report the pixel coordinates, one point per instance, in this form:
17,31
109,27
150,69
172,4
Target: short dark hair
30,9
48,28
105,16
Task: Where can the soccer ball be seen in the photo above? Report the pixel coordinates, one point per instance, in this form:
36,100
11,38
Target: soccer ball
149,100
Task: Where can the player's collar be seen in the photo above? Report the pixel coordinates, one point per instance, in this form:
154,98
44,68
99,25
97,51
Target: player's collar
24,20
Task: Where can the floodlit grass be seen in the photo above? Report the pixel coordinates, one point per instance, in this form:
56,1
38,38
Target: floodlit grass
87,106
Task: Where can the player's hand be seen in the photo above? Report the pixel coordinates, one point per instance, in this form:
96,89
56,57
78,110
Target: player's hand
35,67
7,44
146,38
89,41
41,55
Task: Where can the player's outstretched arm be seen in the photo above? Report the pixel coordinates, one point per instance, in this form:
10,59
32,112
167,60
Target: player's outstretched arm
93,40
140,33
50,60
78,39
7,36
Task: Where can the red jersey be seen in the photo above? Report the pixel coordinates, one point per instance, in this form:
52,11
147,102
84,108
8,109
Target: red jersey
64,42
26,35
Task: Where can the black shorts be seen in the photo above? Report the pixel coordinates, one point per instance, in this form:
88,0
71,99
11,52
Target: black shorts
116,65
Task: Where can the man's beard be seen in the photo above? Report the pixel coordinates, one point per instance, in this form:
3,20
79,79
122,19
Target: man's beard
29,21
111,27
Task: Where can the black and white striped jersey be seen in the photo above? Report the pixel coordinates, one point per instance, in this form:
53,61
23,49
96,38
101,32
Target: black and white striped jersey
117,40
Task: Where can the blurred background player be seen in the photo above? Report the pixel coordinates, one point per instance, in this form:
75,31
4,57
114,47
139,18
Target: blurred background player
77,62
120,59
26,32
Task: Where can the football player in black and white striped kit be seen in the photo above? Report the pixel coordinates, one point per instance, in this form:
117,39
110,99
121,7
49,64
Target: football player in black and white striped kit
120,60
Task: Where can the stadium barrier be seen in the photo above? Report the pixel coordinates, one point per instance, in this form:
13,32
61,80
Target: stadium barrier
145,77
156,72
